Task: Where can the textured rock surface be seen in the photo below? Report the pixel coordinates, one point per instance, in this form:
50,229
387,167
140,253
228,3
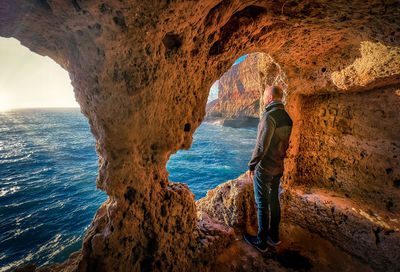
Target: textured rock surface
372,236
377,61
232,204
350,144
342,171
240,88
141,72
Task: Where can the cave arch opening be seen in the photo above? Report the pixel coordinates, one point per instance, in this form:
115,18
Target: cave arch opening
223,143
48,163
95,37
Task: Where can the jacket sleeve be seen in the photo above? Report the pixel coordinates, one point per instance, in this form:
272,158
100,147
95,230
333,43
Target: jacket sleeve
266,129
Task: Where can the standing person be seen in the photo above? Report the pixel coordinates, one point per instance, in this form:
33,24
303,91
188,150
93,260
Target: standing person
266,168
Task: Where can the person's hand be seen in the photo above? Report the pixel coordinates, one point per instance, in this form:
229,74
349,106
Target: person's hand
251,175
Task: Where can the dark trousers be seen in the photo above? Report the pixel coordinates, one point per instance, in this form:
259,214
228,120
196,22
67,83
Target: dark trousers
266,193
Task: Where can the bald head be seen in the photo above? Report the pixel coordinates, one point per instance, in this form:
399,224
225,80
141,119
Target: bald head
272,93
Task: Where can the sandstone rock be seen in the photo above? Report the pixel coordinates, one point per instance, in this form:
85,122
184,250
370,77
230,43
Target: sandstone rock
211,104
231,203
142,70
355,228
213,238
240,90
378,64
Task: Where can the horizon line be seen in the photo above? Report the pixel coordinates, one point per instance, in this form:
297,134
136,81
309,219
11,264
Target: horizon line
38,108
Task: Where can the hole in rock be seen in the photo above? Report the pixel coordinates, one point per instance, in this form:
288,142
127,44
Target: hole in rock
293,259
172,41
187,127
223,143
48,163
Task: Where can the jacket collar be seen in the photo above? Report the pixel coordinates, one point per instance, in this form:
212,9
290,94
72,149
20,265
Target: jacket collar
274,103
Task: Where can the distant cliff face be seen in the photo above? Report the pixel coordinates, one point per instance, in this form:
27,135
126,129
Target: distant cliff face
240,88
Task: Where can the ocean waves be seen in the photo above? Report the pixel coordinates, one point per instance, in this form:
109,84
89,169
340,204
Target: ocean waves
48,196
48,168
217,154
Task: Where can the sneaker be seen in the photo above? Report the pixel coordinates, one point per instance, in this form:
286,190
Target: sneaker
254,241
273,242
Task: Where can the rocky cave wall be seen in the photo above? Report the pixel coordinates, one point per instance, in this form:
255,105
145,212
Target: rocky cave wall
343,181
141,71
350,145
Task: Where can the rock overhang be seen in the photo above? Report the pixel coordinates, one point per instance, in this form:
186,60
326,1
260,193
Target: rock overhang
141,74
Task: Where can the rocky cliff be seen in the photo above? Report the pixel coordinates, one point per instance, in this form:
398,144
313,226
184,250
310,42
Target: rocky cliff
240,89
141,72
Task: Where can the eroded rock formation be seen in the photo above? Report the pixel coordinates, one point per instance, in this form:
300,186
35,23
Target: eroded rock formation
344,179
232,204
141,72
240,90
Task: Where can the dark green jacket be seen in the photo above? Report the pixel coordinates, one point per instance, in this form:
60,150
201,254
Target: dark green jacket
274,131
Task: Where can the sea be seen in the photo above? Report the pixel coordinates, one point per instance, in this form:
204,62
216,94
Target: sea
48,169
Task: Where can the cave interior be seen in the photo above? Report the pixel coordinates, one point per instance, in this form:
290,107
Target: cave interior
141,73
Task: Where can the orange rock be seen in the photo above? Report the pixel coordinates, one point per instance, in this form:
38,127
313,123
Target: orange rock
141,72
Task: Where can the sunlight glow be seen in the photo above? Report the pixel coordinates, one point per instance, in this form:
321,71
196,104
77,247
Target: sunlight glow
3,102
28,80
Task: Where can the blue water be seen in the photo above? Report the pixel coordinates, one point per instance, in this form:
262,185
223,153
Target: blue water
217,154
48,168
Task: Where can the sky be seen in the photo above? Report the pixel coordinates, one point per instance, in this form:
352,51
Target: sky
240,59
28,80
